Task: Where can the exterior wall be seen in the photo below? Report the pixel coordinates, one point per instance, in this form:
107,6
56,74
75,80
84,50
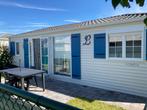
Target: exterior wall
128,76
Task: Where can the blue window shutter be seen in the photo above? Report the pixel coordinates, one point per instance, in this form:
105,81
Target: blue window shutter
146,44
76,56
12,48
100,45
26,53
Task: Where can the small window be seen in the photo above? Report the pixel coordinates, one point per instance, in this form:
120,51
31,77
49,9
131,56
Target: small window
133,46
115,47
17,48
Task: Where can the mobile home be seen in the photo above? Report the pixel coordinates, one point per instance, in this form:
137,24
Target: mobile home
108,53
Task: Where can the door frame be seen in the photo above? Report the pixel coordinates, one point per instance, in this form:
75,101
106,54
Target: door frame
41,50
50,53
31,57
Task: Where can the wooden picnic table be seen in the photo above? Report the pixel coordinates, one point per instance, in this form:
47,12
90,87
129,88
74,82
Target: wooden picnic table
23,73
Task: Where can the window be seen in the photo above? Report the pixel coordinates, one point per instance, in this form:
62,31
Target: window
62,55
17,48
44,47
115,46
133,46
125,45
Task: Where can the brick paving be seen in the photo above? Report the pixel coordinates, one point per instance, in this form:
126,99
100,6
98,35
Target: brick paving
64,91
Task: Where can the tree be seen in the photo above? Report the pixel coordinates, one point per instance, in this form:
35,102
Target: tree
126,4
5,58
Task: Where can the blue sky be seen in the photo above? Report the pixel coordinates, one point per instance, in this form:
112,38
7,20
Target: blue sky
18,16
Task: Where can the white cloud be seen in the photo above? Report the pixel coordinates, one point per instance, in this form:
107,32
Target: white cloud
3,32
72,20
11,31
38,24
30,6
30,25
24,28
14,31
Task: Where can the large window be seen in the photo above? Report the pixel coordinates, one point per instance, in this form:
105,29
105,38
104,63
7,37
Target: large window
125,45
62,55
44,48
115,46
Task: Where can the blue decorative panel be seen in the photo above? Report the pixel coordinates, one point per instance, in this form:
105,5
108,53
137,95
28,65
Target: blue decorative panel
76,56
26,53
146,44
100,45
12,48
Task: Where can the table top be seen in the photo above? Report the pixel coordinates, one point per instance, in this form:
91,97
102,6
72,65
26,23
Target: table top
22,72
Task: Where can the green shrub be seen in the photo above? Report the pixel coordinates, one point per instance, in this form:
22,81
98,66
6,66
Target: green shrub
5,58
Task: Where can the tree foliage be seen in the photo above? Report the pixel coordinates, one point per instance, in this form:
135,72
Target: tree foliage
126,4
5,58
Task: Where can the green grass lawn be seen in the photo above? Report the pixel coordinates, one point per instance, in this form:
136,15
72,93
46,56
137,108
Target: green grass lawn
86,104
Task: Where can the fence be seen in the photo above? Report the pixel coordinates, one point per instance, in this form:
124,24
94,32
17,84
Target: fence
12,98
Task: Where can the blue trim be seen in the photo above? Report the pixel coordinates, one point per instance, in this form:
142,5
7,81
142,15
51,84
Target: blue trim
26,53
76,56
12,48
146,44
100,45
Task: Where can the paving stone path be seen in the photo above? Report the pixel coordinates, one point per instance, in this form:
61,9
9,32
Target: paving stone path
63,92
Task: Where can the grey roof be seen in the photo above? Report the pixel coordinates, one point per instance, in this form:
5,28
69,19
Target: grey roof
124,18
